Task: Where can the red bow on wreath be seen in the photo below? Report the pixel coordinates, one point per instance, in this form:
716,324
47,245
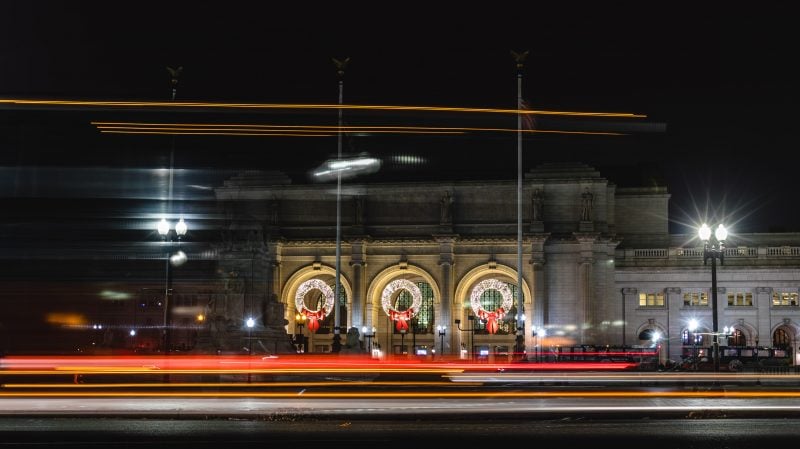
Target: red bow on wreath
314,317
400,318
491,318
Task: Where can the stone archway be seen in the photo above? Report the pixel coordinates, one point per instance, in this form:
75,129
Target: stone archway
305,274
375,316
462,303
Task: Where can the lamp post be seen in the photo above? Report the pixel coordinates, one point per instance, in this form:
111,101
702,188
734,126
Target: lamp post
519,346
471,330
693,337
249,323
177,259
402,341
300,339
337,339
715,249
368,334
442,329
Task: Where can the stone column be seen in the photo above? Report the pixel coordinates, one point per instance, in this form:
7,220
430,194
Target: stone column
537,315
445,312
584,315
630,298
358,316
675,323
764,316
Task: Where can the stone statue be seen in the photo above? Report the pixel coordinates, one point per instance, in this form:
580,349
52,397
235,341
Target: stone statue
272,219
352,345
446,209
536,205
274,312
233,283
586,205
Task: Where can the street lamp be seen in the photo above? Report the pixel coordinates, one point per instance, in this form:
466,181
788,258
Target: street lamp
693,336
714,250
402,341
250,323
471,330
442,332
177,259
368,334
299,338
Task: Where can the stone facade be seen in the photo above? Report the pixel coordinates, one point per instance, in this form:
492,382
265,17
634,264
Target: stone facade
583,269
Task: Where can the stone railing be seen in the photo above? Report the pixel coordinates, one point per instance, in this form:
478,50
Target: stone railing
691,253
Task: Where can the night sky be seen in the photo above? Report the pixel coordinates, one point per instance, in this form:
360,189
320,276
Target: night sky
716,77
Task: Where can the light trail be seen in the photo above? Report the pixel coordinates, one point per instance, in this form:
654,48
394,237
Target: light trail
268,106
419,394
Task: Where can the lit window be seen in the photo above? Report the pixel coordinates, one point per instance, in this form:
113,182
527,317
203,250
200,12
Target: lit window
784,299
651,300
740,299
695,299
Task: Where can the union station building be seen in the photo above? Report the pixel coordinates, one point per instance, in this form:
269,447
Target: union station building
428,268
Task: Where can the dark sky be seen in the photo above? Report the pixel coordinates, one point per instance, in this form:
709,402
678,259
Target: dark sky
718,76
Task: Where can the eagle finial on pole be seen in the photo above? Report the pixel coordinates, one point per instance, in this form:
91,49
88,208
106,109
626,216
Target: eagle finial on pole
174,74
340,64
519,57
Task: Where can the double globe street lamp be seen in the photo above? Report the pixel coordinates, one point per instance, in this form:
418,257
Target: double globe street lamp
442,329
714,249
177,259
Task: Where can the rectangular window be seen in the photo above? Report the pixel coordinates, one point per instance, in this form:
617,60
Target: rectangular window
784,299
740,299
651,300
695,299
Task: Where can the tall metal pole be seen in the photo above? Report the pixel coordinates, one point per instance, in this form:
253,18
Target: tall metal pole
714,319
337,339
174,74
520,340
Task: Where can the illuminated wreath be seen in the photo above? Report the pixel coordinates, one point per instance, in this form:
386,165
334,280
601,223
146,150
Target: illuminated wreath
491,317
314,316
401,318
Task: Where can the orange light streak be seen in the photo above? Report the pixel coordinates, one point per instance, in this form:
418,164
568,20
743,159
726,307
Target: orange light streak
213,105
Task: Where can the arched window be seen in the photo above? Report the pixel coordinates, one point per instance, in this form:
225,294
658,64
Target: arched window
781,339
737,339
423,321
492,300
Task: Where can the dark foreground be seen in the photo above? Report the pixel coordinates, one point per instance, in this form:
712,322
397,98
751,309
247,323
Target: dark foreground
706,432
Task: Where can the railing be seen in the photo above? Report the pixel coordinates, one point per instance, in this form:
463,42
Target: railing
735,252
656,252
783,251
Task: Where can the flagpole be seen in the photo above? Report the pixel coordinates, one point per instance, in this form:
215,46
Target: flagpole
519,348
337,339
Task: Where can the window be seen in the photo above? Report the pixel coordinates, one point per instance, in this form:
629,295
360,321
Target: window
740,299
781,339
492,300
737,339
784,299
695,299
422,322
651,299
